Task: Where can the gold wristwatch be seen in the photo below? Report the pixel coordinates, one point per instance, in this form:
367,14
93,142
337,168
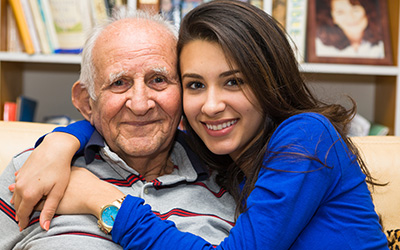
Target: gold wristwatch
108,214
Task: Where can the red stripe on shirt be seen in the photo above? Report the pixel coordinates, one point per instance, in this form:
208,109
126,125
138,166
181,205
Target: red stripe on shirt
184,213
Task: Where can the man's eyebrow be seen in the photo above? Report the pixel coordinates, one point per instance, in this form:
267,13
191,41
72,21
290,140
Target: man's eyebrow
161,70
114,76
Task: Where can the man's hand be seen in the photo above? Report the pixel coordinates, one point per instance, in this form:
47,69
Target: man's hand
44,176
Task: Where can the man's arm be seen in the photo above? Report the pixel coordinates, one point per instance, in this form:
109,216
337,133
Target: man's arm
46,172
9,230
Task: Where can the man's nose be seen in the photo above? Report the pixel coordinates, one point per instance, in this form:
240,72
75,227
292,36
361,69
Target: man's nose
140,99
214,103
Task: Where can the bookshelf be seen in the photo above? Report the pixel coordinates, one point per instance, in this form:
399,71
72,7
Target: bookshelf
376,89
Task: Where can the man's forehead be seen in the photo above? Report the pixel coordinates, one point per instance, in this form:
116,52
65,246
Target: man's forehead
134,42
140,28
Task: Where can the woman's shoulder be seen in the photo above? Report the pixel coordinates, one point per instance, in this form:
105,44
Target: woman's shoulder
305,127
307,121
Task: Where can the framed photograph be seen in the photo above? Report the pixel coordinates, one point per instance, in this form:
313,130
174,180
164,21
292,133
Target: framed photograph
348,32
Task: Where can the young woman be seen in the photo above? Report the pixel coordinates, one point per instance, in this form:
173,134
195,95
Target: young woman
297,179
349,28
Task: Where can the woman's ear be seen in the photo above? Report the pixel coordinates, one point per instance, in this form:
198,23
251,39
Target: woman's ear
80,99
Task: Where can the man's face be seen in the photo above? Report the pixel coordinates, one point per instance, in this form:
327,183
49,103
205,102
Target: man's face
138,105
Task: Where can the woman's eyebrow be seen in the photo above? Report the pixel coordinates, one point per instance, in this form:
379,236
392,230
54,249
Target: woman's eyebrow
229,73
192,75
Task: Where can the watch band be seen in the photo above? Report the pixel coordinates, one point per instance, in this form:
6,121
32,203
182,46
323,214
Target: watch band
101,224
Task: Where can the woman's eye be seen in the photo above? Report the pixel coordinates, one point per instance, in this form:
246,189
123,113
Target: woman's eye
120,86
235,82
195,85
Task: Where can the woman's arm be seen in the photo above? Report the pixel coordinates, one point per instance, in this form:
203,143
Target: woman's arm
46,172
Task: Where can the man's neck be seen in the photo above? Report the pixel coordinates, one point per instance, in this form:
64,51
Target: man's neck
151,167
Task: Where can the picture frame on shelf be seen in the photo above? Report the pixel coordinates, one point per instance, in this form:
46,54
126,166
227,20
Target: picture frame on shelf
346,33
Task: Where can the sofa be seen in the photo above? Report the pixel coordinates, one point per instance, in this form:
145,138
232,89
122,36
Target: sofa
381,154
18,136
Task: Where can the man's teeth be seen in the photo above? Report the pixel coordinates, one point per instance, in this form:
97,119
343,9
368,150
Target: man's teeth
221,126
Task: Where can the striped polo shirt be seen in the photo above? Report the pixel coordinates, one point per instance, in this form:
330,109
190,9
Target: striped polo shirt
189,197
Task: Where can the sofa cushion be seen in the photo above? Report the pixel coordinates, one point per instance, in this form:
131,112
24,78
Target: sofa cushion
382,157
18,136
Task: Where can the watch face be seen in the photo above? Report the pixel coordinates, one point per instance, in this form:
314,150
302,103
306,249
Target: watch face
108,215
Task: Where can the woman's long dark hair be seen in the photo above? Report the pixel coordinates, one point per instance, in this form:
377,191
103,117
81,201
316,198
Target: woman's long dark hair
332,35
254,41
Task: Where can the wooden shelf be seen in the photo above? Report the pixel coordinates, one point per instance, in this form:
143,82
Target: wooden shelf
324,68
39,58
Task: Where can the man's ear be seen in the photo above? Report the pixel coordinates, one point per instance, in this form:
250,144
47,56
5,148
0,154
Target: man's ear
80,99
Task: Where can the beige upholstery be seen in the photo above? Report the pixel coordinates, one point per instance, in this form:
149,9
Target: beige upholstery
381,153
382,156
18,136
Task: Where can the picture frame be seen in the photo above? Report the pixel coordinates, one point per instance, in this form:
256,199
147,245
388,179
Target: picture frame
330,31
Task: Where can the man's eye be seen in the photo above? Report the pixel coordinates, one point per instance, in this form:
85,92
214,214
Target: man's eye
120,86
195,85
159,80
158,83
118,83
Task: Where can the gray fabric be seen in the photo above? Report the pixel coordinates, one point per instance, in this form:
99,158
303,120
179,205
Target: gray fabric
196,207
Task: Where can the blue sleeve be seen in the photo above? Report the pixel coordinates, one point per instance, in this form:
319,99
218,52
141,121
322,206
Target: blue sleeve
82,130
282,203
142,229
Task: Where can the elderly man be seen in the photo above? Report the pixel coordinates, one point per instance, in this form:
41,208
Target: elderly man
129,90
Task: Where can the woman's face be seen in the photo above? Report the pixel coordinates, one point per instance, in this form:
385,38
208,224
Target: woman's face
352,19
215,105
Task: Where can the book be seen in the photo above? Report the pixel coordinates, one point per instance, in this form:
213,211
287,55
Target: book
26,108
257,3
188,5
71,24
99,10
58,119
149,5
359,126
40,27
22,24
171,11
378,129
279,11
3,25
113,5
296,22
31,25
47,16
10,111
13,38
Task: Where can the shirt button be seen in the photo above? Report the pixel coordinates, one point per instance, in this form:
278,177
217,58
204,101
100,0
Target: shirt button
146,191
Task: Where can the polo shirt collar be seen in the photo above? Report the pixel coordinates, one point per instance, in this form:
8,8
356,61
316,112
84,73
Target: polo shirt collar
96,142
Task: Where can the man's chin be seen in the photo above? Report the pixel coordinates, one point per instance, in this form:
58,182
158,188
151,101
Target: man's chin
140,146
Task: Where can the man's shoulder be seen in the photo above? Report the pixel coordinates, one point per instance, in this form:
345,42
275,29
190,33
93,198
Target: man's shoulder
19,159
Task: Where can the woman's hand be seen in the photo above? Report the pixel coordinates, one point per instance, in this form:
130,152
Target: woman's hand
45,174
86,193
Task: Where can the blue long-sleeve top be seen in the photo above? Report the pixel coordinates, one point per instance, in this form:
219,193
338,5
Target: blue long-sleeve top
297,202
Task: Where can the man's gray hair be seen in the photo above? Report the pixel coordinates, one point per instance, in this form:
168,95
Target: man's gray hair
88,73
